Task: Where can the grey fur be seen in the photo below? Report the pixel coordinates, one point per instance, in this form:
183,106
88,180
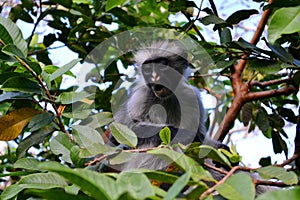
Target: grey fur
146,113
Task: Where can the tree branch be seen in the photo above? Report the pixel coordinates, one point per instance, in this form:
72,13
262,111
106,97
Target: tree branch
240,89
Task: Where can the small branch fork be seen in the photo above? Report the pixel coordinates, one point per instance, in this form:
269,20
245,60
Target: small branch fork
240,168
241,90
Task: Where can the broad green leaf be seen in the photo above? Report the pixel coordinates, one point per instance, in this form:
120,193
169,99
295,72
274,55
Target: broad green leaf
55,193
291,194
122,157
240,15
264,66
279,144
11,34
75,157
11,191
34,138
27,163
61,145
123,134
226,36
97,120
80,110
34,66
34,181
113,3
247,113
284,21
237,187
60,71
41,120
179,184
96,149
289,178
281,52
212,19
21,84
71,97
184,162
165,135
262,121
159,175
43,181
137,184
13,50
96,185
14,95
206,151
86,136
12,124
296,78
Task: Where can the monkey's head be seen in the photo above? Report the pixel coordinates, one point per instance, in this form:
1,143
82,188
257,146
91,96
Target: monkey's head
162,65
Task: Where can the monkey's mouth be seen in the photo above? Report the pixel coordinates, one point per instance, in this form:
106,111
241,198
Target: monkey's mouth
161,91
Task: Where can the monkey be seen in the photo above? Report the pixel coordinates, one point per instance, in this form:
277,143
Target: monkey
160,97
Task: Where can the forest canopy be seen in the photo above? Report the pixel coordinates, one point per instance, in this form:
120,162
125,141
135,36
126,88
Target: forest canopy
55,119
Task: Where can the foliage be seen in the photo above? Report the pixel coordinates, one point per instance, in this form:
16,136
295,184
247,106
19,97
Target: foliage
67,128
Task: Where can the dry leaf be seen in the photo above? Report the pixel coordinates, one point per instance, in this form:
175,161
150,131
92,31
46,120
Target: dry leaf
12,124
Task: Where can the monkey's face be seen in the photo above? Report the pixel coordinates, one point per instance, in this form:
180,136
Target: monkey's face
160,76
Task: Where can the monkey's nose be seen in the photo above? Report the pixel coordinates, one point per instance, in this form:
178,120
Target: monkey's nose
155,77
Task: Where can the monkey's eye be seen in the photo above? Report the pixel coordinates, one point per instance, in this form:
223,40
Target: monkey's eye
147,69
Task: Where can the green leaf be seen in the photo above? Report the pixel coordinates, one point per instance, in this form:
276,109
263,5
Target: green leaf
113,3
86,136
176,188
247,113
75,157
60,71
237,187
159,175
27,163
12,50
280,52
11,191
11,34
80,110
34,66
98,120
262,121
264,66
61,145
284,21
123,134
165,135
96,149
279,144
212,19
184,162
43,181
96,185
240,15
40,121
226,36
289,178
206,151
136,184
21,84
71,97
291,193
36,181
34,138
55,193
